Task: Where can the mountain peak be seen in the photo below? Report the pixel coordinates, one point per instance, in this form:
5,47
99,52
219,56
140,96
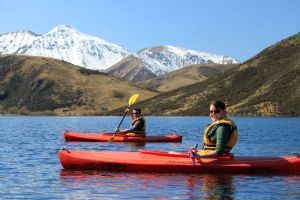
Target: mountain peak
68,31
66,43
23,32
62,27
28,32
163,59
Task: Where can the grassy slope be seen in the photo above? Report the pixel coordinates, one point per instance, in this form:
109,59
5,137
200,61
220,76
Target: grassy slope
46,86
185,76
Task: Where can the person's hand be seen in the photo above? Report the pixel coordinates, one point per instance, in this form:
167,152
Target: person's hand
127,110
193,152
117,130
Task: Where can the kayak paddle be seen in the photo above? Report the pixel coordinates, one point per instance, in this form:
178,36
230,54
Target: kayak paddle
131,101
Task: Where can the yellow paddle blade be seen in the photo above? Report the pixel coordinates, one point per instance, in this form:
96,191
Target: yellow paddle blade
133,99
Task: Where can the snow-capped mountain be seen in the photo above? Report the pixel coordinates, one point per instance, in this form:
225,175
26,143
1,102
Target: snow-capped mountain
64,43
68,44
164,59
11,42
156,61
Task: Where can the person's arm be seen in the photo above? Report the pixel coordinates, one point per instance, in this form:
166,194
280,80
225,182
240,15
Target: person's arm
128,111
223,133
212,154
132,128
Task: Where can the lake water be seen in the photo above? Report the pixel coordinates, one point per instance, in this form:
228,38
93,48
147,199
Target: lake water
30,169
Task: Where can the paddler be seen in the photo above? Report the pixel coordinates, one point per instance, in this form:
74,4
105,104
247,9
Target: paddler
137,125
220,136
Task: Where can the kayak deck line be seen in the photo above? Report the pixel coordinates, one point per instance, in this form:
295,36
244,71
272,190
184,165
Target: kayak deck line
162,153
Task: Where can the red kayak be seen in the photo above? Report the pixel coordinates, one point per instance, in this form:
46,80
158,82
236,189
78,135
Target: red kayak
104,137
175,162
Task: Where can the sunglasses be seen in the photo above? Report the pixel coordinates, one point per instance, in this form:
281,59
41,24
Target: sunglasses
135,113
214,111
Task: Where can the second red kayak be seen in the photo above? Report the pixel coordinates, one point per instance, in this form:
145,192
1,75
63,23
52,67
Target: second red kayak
104,137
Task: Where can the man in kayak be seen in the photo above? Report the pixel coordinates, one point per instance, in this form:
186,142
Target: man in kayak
220,136
137,125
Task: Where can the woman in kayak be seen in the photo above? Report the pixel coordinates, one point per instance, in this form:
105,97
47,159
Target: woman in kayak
138,123
220,136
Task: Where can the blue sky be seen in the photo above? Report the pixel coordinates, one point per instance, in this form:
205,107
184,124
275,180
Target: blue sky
236,28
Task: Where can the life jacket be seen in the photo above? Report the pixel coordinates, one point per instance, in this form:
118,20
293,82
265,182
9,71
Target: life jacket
140,130
209,146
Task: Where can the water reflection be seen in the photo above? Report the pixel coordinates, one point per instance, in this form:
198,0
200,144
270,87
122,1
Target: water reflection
134,146
217,186
155,185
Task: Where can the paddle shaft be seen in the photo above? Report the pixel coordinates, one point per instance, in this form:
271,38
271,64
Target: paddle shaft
120,123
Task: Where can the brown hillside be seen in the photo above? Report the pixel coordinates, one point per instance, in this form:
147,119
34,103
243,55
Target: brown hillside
185,76
131,69
266,85
35,85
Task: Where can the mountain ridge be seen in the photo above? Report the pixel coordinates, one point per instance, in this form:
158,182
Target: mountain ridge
267,84
66,43
160,60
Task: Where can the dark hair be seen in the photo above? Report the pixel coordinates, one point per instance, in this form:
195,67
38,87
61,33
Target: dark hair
219,105
137,110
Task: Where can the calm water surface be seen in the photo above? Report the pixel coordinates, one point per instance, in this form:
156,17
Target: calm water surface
30,169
